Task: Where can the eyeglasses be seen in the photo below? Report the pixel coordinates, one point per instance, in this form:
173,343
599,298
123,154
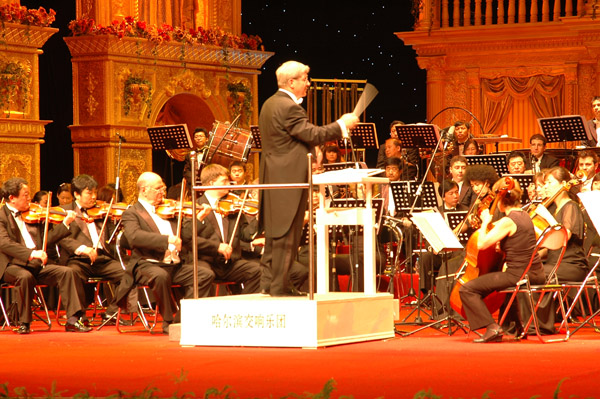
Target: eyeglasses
161,189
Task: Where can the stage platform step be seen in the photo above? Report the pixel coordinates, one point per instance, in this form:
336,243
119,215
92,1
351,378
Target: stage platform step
261,320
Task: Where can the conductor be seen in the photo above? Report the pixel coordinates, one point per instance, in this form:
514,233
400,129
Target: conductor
287,136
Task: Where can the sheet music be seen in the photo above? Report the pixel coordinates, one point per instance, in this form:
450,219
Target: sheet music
436,231
344,176
590,200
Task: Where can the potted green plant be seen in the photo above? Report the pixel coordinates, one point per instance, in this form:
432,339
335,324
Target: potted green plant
136,90
240,97
15,80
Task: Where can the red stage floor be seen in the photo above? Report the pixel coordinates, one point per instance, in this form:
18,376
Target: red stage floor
102,363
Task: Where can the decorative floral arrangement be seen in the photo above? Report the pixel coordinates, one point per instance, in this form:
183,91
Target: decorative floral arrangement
15,79
136,90
130,27
241,98
14,13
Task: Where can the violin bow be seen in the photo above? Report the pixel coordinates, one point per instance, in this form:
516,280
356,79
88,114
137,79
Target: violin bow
101,233
459,227
180,211
237,220
45,242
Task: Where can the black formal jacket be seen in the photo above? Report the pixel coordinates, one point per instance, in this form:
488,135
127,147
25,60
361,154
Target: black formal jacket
80,235
12,245
287,137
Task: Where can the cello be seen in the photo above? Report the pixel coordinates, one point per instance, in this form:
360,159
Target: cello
478,262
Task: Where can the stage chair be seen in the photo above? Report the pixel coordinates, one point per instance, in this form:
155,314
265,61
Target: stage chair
39,305
140,311
590,282
217,284
97,304
553,238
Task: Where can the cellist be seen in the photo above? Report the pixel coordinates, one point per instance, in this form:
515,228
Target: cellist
516,235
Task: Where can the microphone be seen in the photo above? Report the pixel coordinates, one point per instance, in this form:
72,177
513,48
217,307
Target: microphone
123,139
449,136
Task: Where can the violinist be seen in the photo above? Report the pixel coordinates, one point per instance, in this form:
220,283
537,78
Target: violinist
219,235
574,265
481,178
86,250
155,259
539,160
458,167
24,263
516,235
237,173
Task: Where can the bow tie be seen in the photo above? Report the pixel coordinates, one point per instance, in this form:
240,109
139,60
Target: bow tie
16,213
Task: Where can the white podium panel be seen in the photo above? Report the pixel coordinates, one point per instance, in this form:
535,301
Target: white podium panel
262,320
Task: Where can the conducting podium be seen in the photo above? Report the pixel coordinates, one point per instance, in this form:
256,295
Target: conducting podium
364,216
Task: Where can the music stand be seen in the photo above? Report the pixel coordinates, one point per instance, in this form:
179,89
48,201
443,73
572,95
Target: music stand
453,219
256,140
524,182
418,135
565,128
170,137
498,161
363,135
442,240
404,193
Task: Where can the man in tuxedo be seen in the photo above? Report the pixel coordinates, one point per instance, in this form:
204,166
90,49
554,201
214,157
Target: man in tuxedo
594,123
155,258
458,166
539,160
200,142
85,250
287,137
220,234
24,262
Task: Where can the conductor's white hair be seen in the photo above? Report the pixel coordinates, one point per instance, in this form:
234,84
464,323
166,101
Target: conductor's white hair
290,70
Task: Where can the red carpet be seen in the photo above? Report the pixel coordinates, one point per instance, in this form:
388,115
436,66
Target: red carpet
451,366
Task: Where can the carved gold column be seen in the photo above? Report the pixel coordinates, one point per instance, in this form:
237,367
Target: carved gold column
435,83
21,131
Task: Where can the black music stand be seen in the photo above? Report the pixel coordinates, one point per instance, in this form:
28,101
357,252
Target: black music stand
524,181
565,128
454,218
256,140
363,135
328,167
170,137
404,194
418,135
336,230
497,161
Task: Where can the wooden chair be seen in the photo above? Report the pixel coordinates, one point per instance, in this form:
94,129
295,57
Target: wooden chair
552,238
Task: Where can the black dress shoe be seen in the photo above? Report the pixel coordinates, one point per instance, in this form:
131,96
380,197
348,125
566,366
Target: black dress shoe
491,335
23,329
290,292
77,327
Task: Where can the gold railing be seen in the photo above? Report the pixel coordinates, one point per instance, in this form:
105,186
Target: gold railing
436,14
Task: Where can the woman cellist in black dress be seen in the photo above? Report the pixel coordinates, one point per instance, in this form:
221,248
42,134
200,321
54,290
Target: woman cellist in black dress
516,235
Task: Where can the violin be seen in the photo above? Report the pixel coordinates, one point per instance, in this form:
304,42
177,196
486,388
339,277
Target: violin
37,214
101,209
169,208
233,204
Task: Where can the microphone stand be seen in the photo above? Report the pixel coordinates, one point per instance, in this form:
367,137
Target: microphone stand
117,180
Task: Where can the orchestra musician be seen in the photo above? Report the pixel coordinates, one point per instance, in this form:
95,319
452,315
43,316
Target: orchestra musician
216,248
84,250
458,166
539,160
287,136
412,154
516,235
155,259
587,164
24,263
515,162
594,122
200,141
462,133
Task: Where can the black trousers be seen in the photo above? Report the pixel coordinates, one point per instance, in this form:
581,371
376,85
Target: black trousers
69,285
103,267
161,276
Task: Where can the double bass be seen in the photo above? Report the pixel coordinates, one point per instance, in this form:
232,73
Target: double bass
478,262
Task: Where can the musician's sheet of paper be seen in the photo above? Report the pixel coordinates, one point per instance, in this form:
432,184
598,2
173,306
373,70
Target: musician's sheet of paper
436,231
